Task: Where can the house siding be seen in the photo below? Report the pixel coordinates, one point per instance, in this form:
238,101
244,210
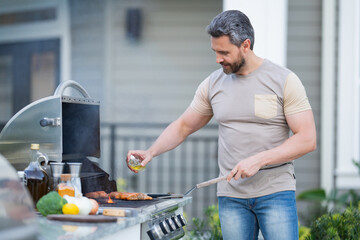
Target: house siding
154,79
304,58
87,46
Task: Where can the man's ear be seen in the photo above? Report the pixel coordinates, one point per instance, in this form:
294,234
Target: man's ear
246,44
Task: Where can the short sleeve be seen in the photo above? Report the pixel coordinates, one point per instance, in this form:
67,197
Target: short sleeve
200,102
295,99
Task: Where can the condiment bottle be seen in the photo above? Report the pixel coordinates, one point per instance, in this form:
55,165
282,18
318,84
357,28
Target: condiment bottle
65,187
135,163
35,177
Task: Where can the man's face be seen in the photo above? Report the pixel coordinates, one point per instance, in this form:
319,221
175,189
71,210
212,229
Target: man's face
227,54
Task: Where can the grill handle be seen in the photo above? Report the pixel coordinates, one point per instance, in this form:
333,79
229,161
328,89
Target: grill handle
210,182
70,83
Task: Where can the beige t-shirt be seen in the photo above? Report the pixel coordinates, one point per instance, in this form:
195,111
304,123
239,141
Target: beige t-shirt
250,111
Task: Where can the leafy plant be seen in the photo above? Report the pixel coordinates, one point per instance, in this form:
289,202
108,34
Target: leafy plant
357,164
343,220
334,201
212,212
318,203
207,229
304,232
337,226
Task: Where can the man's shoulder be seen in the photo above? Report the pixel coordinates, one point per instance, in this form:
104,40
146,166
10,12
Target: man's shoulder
217,73
270,65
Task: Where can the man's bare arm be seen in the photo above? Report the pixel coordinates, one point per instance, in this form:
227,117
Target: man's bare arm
189,122
303,141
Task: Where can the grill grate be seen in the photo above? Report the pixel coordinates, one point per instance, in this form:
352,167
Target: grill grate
103,202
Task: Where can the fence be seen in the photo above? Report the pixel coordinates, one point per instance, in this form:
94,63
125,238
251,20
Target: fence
176,171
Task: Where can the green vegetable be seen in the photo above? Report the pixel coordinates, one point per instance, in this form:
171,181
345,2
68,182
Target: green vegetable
51,203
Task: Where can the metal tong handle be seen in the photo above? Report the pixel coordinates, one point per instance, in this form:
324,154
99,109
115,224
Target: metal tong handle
207,183
210,182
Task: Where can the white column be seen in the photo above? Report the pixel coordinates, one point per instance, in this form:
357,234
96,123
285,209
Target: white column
269,20
328,94
348,95
108,23
65,41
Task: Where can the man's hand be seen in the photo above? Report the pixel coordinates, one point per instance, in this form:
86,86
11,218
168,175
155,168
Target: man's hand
144,156
245,168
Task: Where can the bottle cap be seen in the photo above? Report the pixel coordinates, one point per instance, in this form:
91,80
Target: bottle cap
35,146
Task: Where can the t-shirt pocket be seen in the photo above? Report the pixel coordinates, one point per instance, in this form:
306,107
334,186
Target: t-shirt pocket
265,105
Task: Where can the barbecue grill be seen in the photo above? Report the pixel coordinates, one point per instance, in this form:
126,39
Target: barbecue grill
67,127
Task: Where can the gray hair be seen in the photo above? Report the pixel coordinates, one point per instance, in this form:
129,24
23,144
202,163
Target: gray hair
234,24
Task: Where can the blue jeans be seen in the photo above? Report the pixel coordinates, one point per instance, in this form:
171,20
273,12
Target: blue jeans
274,214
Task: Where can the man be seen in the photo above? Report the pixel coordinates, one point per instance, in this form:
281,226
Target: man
255,103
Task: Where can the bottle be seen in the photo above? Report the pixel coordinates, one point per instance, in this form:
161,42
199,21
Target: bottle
65,187
35,177
135,163
75,177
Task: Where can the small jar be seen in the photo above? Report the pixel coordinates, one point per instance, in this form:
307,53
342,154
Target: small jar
65,187
135,163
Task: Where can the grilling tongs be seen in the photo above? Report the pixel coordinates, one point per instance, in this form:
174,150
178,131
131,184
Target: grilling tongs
199,185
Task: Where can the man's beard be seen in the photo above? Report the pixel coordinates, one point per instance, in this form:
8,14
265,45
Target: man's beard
233,68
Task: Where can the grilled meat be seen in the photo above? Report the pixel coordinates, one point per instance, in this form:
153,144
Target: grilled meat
119,195
96,194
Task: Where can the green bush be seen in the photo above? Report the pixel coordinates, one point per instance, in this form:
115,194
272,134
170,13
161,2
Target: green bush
320,203
345,226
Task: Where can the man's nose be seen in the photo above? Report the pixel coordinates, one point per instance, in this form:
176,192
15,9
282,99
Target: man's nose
219,59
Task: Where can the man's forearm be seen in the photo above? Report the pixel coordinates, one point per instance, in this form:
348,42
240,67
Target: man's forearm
296,146
293,148
302,142
189,122
170,138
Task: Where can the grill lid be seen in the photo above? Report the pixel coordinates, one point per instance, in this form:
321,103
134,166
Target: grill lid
60,124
